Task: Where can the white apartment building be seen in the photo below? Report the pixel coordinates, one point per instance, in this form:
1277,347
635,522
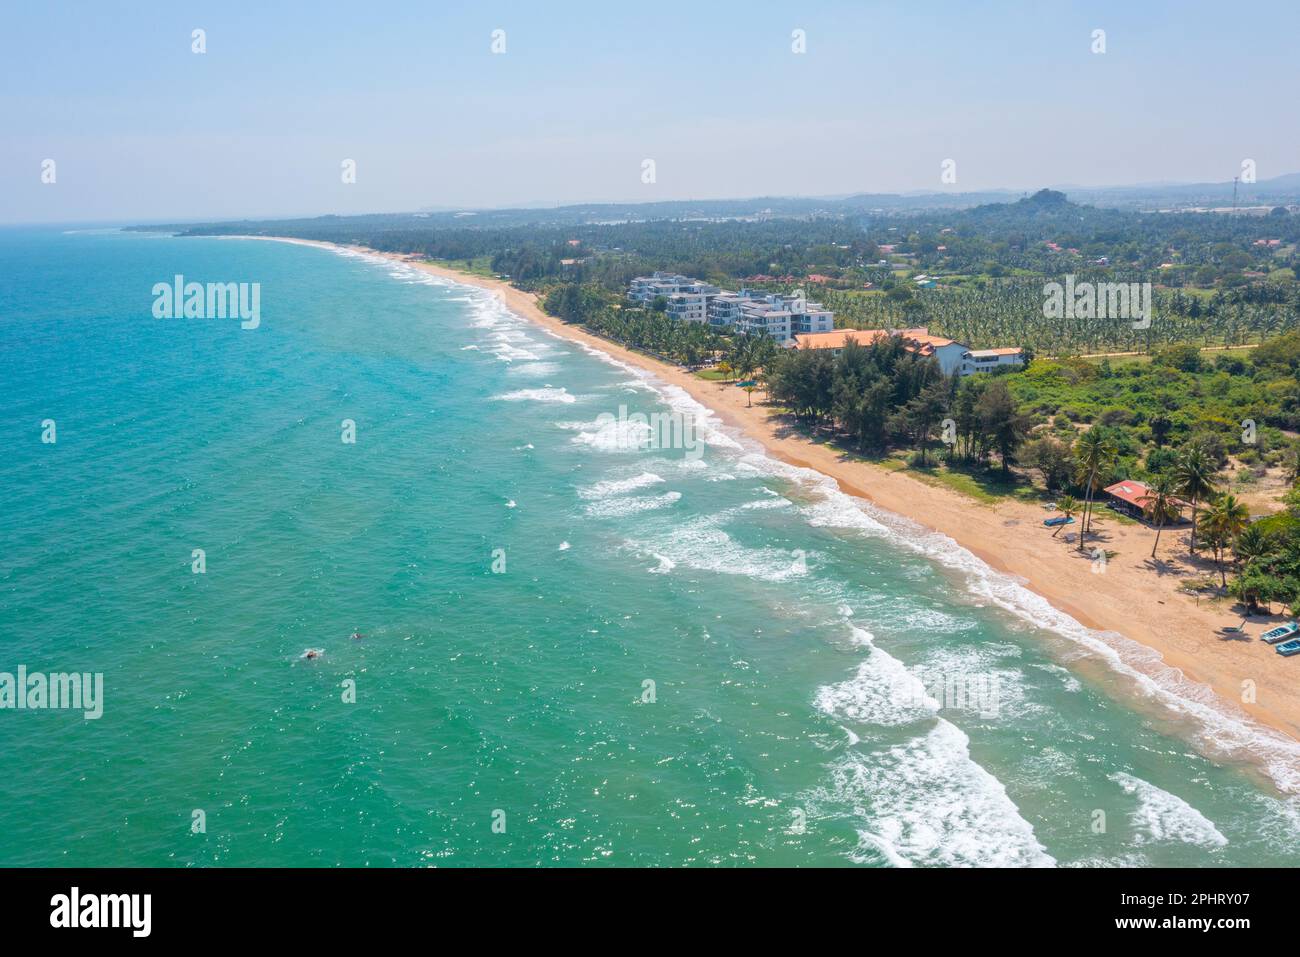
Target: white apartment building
765,317
749,312
782,316
645,289
724,309
813,318
688,306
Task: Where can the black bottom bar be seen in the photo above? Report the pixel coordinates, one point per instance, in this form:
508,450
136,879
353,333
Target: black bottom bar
339,906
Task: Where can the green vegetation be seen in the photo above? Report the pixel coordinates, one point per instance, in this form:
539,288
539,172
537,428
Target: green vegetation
476,266
1180,396
1268,554
882,395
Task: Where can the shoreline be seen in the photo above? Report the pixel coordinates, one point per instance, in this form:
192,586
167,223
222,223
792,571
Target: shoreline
1135,599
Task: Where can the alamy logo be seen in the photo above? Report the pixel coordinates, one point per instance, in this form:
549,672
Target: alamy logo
1099,300
215,300
657,430
949,431
37,691
952,691
103,910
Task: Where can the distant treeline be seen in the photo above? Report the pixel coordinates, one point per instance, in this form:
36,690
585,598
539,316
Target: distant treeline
1218,279
993,240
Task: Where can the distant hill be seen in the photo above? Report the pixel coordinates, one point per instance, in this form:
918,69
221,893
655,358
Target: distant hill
1060,202
1280,190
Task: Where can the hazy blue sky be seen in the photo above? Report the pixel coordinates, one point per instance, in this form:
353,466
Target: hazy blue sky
142,128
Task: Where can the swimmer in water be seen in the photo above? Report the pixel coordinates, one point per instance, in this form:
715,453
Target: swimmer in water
357,636
311,653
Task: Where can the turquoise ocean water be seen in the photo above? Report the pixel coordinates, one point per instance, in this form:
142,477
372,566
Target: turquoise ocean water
685,660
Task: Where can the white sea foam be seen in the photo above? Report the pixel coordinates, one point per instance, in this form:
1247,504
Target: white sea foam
883,692
1161,816
514,345
699,543
488,311
509,353
913,615
538,395
614,435
1275,820
534,368
1049,768
870,848
976,678
705,423
1128,861
619,507
766,503
927,802
619,486
1068,681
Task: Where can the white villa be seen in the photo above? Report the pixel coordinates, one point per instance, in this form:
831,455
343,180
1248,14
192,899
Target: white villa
985,360
783,317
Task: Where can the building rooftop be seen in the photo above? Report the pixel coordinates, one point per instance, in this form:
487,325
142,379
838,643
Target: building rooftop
921,336
839,338
1135,493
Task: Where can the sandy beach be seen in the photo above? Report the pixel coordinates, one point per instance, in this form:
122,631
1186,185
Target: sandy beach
1135,596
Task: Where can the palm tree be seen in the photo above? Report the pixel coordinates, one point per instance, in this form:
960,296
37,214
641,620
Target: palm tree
1067,505
1252,544
1194,473
743,358
1094,453
1225,519
1160,505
